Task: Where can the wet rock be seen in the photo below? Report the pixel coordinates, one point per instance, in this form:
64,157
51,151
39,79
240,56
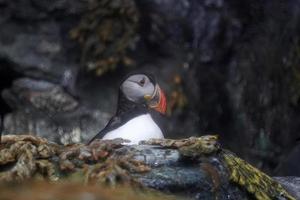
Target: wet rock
192,181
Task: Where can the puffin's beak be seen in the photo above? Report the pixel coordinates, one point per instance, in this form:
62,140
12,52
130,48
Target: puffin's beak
157,101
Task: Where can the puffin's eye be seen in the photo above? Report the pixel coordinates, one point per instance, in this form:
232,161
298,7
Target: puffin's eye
142,81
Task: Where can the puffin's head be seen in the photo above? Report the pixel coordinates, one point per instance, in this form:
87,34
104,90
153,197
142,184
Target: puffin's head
143,89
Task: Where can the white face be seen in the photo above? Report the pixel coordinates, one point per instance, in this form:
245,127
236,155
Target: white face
136,87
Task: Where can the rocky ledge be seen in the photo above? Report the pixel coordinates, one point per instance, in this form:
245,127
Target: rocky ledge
196,168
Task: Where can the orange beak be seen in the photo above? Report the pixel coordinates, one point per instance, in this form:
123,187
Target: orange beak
158,100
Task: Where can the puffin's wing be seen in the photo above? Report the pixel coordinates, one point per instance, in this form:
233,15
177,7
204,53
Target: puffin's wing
160,120
113,123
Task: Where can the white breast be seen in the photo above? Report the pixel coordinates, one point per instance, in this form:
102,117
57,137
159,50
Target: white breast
139,128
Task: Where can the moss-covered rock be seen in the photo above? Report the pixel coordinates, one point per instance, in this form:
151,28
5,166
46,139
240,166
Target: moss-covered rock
196,168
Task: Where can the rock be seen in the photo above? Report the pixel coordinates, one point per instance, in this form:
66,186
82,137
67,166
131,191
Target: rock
44,108
235,80
32,40
41,95
170,173
290,165
291,184
196,168
36,43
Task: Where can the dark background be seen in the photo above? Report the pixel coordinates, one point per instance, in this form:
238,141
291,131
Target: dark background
228,67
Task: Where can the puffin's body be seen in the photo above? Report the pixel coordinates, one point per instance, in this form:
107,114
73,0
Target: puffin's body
140,102
139,128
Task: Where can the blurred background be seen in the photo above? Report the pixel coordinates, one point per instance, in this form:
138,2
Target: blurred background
228,67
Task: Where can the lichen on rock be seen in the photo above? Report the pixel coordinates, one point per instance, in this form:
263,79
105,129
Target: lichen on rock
105,33
262,186
200,169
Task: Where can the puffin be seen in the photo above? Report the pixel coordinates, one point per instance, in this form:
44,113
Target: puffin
141,103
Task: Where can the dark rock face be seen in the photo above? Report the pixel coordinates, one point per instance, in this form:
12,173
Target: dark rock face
266,121
242,69
238,64
35,37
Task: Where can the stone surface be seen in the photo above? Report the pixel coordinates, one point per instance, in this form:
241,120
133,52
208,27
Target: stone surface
172,174
292,184
194,168
39,44
44,108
